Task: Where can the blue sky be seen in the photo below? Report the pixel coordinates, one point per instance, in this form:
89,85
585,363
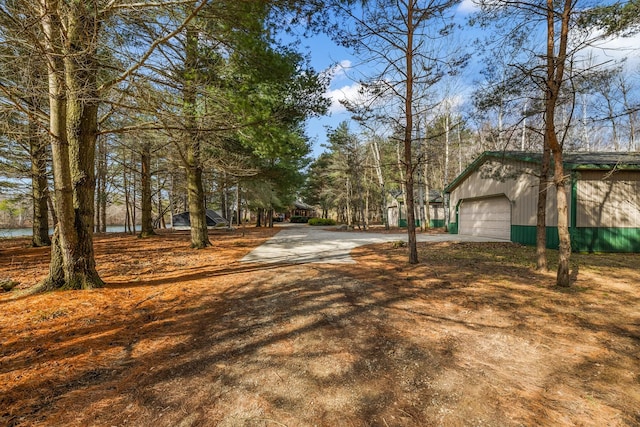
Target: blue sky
326,56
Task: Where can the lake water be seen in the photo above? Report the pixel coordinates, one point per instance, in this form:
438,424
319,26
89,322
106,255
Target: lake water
26,232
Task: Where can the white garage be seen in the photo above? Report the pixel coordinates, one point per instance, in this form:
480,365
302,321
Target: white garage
497,196
487,217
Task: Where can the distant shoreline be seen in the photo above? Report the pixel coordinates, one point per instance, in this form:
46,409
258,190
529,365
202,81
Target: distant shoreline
27,232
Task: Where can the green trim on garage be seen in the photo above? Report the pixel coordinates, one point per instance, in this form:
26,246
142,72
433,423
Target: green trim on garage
402,223
605,239
584,239
434,223
453,226
526,235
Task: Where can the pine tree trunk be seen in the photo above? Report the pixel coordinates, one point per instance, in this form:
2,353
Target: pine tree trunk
459,150
421,203
82,130
631,116
555,76
238,215
132,199
411,216
365,210
101,186
427,194
161,221
197,212
408,133
259,217
195,189
564,251
52,210
541,217
348,201
146,228
383,200
127,196
64,234
73,130
447,142
39,187
403,184
98,220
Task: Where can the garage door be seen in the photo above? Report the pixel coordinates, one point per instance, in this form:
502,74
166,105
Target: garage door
486,217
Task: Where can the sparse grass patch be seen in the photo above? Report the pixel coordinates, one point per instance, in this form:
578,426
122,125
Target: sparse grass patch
398,244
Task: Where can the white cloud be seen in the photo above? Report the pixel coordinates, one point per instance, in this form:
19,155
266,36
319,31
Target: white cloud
611,51
338,71
348,92
620,48
467,7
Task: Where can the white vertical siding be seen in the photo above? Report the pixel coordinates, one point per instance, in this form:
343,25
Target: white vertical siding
608,200
436,212
516,180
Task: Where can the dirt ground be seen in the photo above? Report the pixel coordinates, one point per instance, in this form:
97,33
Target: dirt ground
471,336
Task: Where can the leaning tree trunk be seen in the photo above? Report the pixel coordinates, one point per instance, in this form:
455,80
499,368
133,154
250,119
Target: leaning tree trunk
73,130
541,224
39,186
146,228
555,75
564,251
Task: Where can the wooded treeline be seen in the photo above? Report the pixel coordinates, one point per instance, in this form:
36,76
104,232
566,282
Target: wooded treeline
156,105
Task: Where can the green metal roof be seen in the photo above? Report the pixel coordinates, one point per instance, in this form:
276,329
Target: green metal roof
299,204
434,196
571,160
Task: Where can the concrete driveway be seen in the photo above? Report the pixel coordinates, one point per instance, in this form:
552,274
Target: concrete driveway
301,244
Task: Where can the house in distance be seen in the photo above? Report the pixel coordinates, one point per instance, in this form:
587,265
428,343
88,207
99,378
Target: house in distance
496,196
301,209
183,220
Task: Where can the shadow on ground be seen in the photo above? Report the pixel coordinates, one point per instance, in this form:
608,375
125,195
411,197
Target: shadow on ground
471,336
